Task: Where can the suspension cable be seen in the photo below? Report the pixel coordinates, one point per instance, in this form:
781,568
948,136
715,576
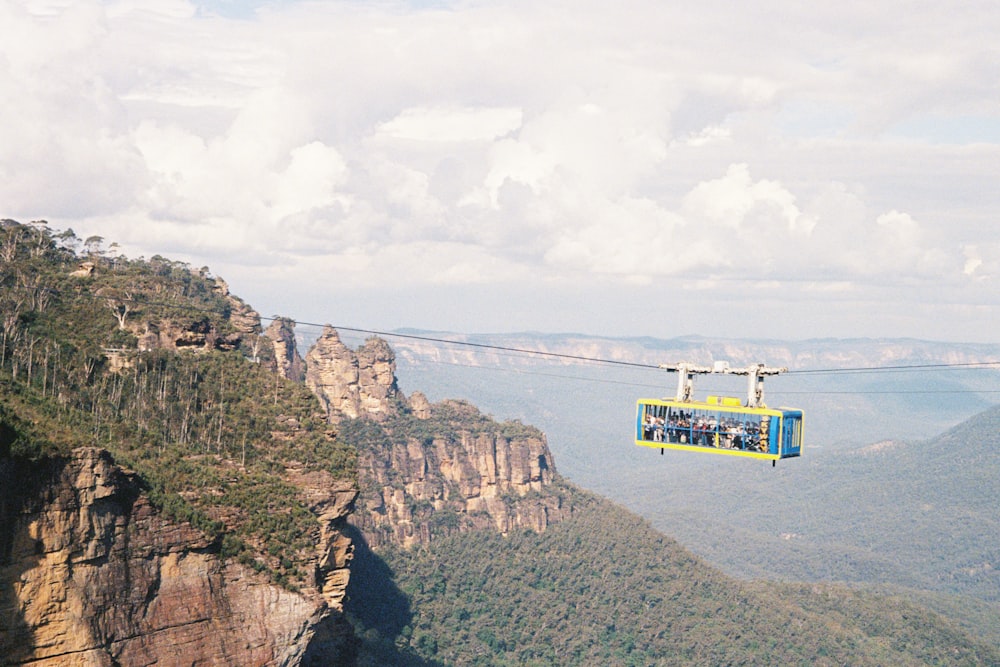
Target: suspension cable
994,364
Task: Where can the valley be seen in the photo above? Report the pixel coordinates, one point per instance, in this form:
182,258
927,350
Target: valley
896,486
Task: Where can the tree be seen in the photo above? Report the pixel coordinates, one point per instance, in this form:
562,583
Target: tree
121,303
93,245
68,239
11,240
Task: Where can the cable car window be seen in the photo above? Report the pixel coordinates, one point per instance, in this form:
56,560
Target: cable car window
724,428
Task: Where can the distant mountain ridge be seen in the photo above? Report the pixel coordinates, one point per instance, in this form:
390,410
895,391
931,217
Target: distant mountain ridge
796,354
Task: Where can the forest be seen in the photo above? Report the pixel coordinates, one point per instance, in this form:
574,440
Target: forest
606,588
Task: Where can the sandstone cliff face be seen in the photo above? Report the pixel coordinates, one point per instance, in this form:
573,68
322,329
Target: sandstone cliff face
287,362
242,317
331,501
419,405
461,473
199,335
443,468
91,574
352,384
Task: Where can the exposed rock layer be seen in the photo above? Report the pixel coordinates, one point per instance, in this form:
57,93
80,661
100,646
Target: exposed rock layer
454,478
287,361
463,471
202,334
93,575
352,384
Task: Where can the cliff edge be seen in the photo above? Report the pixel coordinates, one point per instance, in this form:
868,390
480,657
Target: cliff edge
94,575
429,470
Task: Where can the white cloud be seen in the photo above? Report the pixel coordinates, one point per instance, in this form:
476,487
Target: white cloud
452,124
517,162
604,144
728,201
310,181
632,238
982,261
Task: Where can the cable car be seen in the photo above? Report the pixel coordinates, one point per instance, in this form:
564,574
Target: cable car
720,425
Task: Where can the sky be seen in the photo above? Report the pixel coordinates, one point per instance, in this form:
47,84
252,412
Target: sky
773,169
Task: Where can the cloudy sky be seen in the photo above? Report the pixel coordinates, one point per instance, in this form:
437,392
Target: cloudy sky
766,169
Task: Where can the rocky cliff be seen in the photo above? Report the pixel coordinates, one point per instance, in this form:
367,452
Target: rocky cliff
229,544
287,361
352,384
166,332
429,470
93,575
458,471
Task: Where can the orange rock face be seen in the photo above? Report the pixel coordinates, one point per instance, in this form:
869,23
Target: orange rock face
91,574
352,384
456,479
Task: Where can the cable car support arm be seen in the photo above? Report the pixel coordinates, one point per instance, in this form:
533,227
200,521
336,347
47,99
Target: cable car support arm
755,379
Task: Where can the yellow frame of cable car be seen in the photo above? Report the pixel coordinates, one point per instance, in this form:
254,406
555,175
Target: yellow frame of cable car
721,405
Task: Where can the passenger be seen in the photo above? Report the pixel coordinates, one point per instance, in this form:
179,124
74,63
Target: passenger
750,439
730,435
649,425
702,435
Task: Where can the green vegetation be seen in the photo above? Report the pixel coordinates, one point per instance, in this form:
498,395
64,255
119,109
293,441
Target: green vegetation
605,588
210,429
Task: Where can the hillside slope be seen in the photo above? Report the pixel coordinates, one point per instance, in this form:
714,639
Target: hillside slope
916,514
233,500
603,587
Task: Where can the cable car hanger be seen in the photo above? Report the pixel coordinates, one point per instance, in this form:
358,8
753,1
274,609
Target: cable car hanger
755,374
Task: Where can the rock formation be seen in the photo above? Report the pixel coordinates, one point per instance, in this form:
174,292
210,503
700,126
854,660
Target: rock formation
200,334
92,575
352,384
462,472
244,319
169,335
83,270
331,501
287,362
446,468
420,406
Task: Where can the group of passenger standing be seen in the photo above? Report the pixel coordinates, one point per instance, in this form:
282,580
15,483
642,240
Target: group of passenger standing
705,429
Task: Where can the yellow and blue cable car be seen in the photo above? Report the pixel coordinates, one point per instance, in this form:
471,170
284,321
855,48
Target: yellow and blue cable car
720,425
